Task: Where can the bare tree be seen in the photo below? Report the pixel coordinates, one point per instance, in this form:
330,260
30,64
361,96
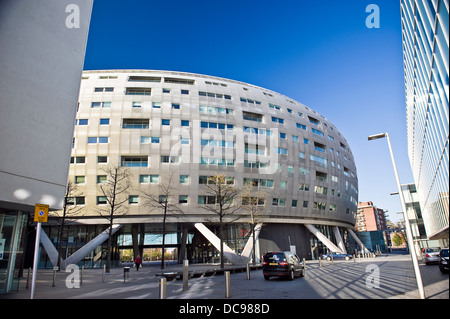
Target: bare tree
115,194
166,200
253,201
220,201
70,210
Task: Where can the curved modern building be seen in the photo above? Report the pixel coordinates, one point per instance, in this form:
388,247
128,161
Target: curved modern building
186,127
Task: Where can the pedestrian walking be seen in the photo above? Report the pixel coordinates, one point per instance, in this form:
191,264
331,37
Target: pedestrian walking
138,262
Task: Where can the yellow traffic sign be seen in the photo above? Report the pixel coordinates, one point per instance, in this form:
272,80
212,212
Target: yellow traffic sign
40,213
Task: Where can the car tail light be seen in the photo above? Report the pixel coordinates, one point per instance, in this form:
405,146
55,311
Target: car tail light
264,263
283,263
428,255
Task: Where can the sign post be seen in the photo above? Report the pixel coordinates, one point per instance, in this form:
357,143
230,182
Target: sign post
40,216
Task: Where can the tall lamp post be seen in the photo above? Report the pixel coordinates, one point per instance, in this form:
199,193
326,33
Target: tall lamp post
409,236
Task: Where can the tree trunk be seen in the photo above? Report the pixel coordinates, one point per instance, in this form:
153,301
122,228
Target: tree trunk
108,252
222,263
163,238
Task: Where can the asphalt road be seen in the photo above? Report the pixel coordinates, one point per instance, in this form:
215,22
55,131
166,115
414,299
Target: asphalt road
384,277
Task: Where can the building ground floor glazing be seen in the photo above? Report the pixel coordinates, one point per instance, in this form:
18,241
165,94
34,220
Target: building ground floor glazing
146,240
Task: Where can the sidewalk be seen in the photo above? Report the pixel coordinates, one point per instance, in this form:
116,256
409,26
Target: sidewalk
338,280
112,285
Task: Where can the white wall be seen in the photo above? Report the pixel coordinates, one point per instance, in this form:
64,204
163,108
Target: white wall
41,62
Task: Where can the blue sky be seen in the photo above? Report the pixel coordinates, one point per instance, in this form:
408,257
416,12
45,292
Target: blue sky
320,53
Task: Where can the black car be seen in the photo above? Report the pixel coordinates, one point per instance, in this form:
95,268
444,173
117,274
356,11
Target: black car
443,260
282,264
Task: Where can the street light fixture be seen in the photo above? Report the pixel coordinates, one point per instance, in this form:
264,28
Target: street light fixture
409,236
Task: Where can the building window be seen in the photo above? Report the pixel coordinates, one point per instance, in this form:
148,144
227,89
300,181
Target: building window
101,104
138,78
135,123
79,179
319,205
82,122
165,122
183,199
278,202
320,133
103,139
169,159
320,190
134,161
277,120
154,179
252,116
137,104
101,200
155,139
303,187
133,199
92,140
104,121
79,200
101,179
184,179
138,91
102,159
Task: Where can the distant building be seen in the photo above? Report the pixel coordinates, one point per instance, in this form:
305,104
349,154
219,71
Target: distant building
370,218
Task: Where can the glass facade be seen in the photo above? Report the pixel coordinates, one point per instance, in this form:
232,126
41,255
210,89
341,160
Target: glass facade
12,243
425,28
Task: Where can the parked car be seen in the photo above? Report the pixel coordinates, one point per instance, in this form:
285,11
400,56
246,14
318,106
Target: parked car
443,260
431,255
337,256
285,264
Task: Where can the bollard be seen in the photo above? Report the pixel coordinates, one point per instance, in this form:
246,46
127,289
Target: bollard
227,285
54,276
359,258
186,275
81,275
248,271
126,272
332,259
162,288
304,266
28,277
103,274
320,262
354,259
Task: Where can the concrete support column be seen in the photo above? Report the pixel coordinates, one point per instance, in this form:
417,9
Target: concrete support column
323,238
339,240
358,241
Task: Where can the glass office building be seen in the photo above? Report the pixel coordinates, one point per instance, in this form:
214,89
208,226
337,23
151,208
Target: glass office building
425,28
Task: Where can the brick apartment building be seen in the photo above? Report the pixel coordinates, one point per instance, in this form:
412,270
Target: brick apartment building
370,218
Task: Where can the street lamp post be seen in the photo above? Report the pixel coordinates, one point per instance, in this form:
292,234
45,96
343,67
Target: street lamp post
409,236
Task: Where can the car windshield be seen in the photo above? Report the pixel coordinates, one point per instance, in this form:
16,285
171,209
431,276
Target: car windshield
274,257
444,253
432,250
